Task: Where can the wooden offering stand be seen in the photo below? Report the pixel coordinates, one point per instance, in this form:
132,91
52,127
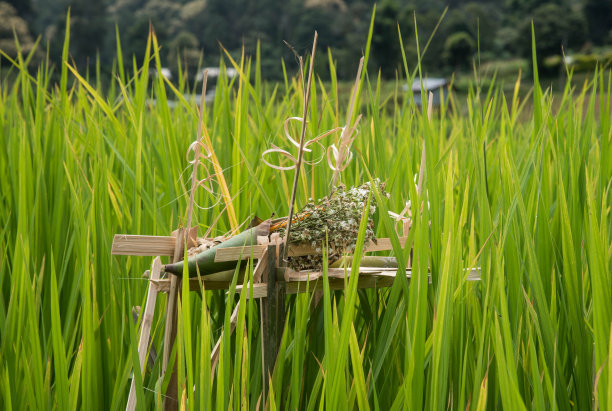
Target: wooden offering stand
272,281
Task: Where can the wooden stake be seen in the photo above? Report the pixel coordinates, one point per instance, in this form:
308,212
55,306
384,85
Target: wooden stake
273,313
145,329
171,398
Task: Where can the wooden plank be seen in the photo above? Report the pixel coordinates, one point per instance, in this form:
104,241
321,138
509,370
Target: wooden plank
145,329
143,245
367,279
372,281
237,253
153,245
383,244
259,289
149,245
194,285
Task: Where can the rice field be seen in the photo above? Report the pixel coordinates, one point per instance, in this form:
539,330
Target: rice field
524,195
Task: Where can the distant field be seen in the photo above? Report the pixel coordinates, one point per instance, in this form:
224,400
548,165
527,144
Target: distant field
519,184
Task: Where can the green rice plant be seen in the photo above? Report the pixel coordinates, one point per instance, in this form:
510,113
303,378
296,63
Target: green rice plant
518,186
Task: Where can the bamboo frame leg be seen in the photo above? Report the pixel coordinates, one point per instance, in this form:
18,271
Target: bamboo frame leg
171,398
145,329
273,313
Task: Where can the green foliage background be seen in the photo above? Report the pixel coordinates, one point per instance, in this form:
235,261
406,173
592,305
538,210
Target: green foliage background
190,31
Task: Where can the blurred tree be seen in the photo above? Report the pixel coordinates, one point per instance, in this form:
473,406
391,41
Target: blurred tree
598,14
352,27
385,42
520,8
192,14
483,21
46,15
507,42
12,25
134,38
432,58
185,51
163,12
502,30
457,21
88,32
459,49
22,7
555,27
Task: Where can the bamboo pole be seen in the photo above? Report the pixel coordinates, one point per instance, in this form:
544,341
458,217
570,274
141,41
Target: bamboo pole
145,329
298,166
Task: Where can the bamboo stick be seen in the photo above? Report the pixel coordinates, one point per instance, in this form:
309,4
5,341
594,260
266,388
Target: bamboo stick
145,329
298,166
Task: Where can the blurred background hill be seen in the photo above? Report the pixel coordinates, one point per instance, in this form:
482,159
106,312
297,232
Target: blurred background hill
190,31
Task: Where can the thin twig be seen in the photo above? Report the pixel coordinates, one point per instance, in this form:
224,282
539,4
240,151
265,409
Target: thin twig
198,148
301,150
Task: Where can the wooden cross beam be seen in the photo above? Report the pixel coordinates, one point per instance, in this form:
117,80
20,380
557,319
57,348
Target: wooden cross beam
369,277
150,245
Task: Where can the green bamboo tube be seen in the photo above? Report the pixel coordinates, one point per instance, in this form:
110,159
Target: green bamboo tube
204,262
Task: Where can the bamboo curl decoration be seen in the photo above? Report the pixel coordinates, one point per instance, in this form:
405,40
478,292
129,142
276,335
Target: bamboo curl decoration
290,157
343,156
203,158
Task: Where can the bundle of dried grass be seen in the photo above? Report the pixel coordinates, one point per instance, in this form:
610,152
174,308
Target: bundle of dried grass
335,219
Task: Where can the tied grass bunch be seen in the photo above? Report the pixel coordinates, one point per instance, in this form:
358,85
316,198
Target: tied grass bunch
334,219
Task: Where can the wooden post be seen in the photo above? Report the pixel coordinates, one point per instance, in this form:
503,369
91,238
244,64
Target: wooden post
145,329
171,398
273,313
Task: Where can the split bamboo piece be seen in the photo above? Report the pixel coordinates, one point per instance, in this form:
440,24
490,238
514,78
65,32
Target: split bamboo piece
145,329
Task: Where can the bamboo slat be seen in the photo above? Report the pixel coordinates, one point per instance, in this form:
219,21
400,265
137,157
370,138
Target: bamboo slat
149,245
143,245
369,277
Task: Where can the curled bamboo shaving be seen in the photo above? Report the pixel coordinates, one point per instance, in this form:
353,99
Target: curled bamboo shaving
203,158
342,156
290,157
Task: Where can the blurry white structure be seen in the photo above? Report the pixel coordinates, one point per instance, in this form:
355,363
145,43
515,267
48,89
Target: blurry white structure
213,74
165,72
433,84
216,72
